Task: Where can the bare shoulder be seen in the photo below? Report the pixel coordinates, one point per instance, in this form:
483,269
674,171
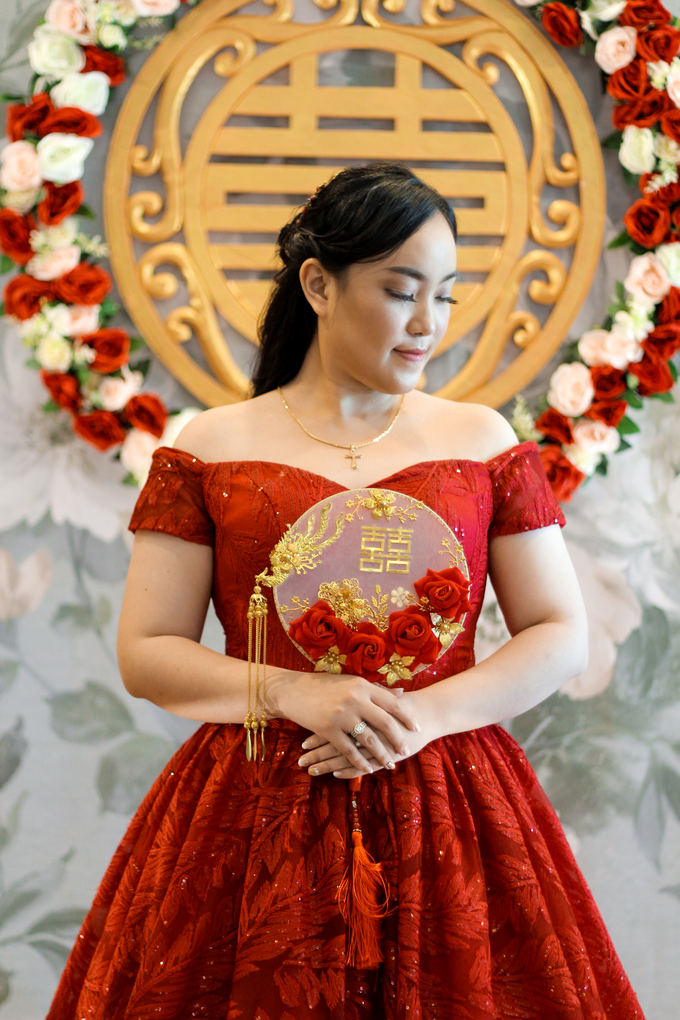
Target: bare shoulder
479,432
211,435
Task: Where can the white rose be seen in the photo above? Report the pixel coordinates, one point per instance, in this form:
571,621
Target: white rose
58,318
89,92
595,436
121,11
636,152
136,453
70,18
83,354
114,392
669,257
615,348
673,82
635,323
571,389
647,279
54,54
601,10
19,167
527,3
657,71
60,236
615,48
111,37
83,319
666,148
585,460
155,8
62,156
34,329
176,423
54,353
21,201
52,264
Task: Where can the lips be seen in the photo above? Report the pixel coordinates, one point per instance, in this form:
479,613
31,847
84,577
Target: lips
413,354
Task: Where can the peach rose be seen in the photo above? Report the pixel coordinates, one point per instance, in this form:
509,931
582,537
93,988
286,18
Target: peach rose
155,8
114,391
69,18
136,453
673,82
19,169
84,319
52,264
602,347
647,279
615,48
595,436
571,389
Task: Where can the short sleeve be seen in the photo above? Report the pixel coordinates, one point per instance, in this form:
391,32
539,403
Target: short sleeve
522,497
172,499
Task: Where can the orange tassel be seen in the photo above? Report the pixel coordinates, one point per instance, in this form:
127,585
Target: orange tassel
358,896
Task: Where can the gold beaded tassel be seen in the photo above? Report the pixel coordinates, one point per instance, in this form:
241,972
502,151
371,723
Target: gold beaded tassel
257,658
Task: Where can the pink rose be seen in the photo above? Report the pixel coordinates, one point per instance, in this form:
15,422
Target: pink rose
647,279
114,391
155,8
673,84
19,170
616,348
616,48
55,263
571,389
84,319
69,18
136,453
595,436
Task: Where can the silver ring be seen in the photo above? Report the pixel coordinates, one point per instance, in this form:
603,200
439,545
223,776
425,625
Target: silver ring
358,729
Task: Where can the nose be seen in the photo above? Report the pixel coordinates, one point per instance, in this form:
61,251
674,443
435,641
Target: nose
422,322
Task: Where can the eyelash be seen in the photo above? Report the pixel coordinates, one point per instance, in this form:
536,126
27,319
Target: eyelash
409,297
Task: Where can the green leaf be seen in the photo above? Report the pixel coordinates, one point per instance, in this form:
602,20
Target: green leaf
25,891
627,426
136,343
667,398
620,292
631,397
33,363
50,406
638,249
603,466
64,923
90,715
612,141
8,97
6,264
84,210
73,617
632,180
56,953
620,241
2,307
624,445
13,747
130,479
673,370
650,816
142,366
8,673
107,310
127,772
632,381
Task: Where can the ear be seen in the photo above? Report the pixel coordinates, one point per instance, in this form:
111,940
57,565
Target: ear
314,280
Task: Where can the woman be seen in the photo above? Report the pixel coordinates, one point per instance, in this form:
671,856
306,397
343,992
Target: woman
221,900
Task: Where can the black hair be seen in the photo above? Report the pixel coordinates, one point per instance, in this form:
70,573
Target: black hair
362,214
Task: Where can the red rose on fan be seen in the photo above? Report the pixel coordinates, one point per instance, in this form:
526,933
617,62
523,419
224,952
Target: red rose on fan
663,341
318,629
607,381
84,285
71,120
654,375
640,14
608,411
647,222
409,632
21,120
64,389
104,60
661,43
669,309
562,24
60,201
446,592
100,428
25,295
670,125
147,412
366,652
112,347
555,426
563,476
15,232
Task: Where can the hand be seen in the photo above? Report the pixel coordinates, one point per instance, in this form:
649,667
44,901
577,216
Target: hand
331,706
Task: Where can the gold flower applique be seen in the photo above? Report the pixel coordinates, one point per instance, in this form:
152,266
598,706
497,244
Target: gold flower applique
397,668
332,661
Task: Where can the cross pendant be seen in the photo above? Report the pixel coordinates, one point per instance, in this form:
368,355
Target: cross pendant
355,456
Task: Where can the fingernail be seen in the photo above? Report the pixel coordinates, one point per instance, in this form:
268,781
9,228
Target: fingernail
337,774
405,750
315,771
302,761
305,745
417,730
390,764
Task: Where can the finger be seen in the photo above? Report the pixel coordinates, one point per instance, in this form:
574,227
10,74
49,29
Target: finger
352,773
388,729
319,754
378,747
396,707
340,762
314,741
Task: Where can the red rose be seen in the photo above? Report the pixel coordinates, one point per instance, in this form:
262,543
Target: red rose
112,347
663,196
25,295
630,83
64,389
640,104
670,124
84,285
146,411
647,222
608,411
409,632
15,231
660,44
663,341
607,381
562,24
563,476
555,426
366,652
446,592
101,428
669,309
644,113
318,629
23,120
60,202
104,60
71,121
654,375
640,14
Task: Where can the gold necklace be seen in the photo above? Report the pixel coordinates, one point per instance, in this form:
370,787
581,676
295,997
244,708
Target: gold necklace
353,447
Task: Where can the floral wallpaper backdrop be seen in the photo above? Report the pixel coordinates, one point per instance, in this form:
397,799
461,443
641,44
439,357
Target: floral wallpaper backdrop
77,753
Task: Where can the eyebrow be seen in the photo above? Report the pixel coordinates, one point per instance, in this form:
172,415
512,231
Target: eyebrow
415,274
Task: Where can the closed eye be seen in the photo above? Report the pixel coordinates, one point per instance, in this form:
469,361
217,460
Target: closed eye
401,297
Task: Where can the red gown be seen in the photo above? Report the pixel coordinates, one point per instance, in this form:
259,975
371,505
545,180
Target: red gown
220,901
